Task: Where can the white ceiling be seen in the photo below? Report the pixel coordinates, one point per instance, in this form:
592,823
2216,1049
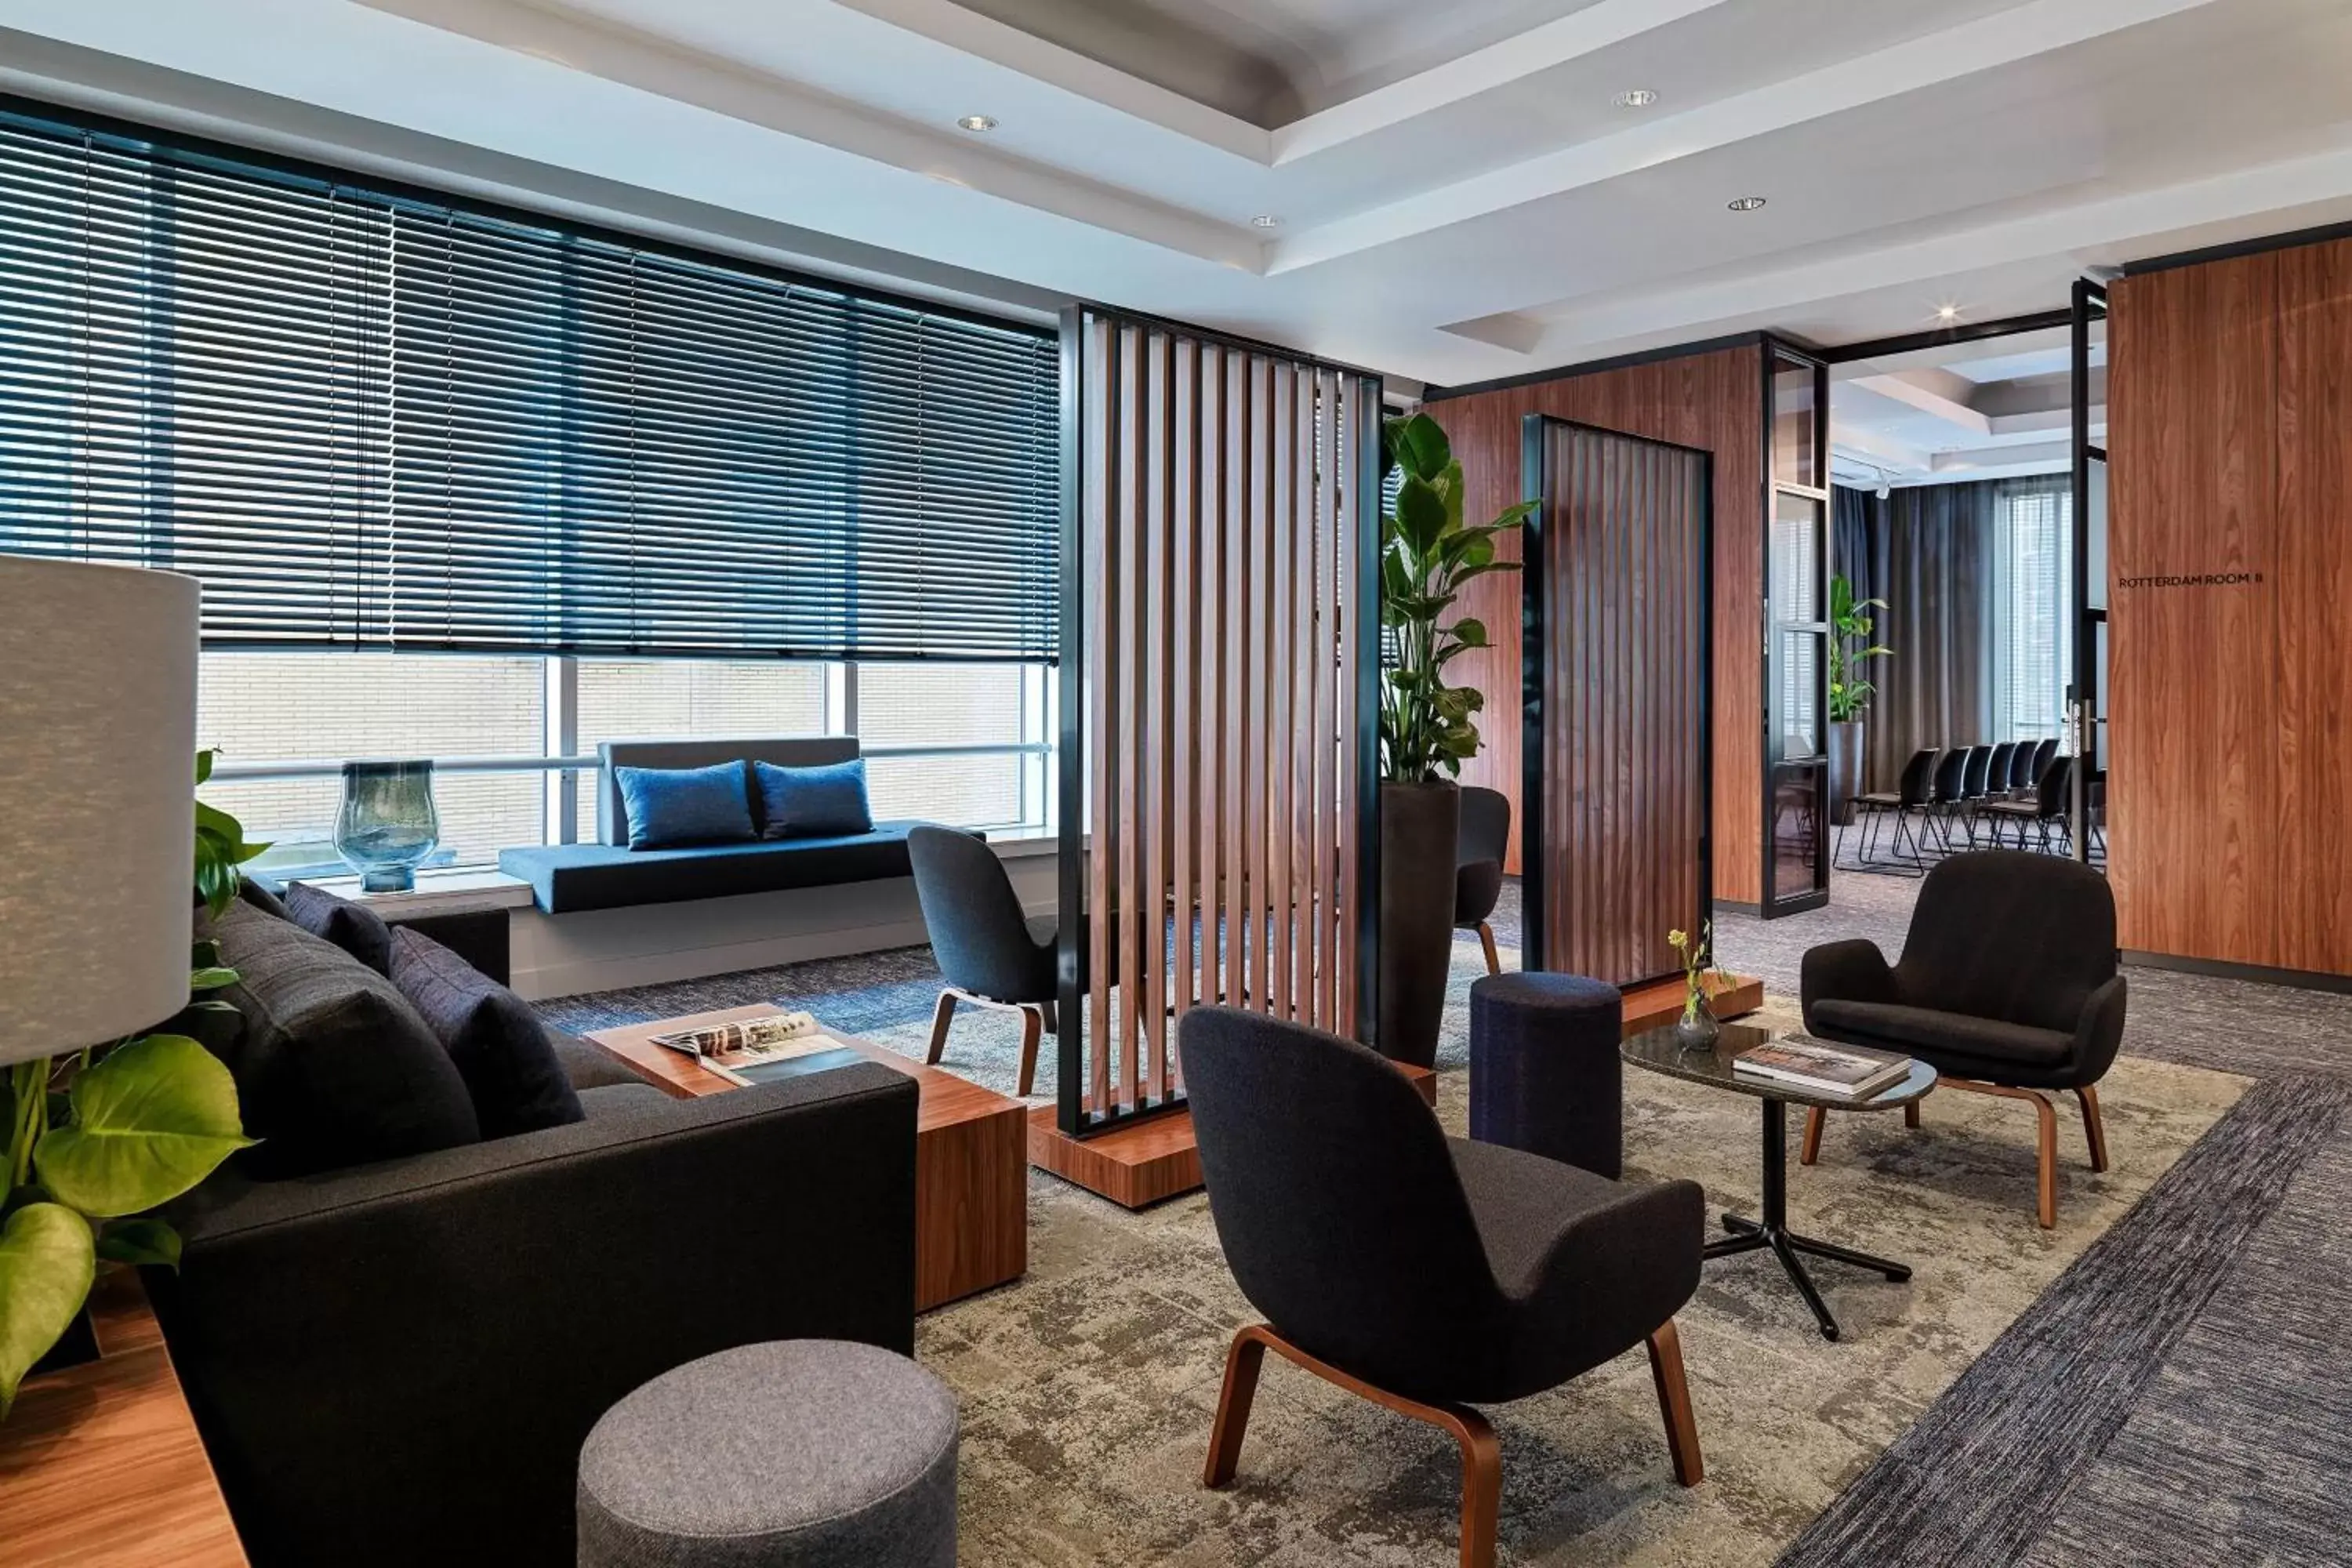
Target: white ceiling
1987,409
1458,195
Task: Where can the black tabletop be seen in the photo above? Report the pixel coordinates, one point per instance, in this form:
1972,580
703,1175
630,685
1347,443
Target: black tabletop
1661,1051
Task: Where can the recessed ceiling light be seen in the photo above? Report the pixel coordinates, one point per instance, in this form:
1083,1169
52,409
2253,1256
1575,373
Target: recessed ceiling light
1266,220
1745,204
978,123
1636,98
1947,312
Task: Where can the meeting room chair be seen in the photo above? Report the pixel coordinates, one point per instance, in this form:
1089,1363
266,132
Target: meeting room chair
1946,794
980,937
1997,772
2020,766
1424,1273
2044,753
1910,795
1484,838
2009,985
2043,809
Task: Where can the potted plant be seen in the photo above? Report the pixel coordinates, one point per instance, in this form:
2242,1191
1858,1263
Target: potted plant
1427,728
95,1138
1850,624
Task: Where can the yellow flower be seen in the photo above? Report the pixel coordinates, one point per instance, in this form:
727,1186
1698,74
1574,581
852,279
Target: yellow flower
1675,939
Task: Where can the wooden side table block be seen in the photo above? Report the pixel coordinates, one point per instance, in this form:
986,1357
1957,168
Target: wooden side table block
100,1466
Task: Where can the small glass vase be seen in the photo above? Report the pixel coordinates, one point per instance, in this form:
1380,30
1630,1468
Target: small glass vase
1697,1029
388,825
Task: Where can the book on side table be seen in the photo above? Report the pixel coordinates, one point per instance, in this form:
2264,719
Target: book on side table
1818,1066
752,1050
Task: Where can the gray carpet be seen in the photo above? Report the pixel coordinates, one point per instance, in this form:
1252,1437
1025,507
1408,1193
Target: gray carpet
2178,1398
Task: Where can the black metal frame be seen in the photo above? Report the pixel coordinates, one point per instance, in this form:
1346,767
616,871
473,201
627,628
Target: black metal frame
1772,1232
1943,337
1366,408
1536,545
1770,905
2084,696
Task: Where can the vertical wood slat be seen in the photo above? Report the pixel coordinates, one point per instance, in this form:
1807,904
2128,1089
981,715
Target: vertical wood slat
1220,524
1148,997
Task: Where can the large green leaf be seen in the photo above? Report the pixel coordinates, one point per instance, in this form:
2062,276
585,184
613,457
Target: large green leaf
140,1239
1419,514
149,1122
1418,445
47,1263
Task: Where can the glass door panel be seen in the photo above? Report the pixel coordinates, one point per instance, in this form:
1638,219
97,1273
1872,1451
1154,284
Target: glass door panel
1796,587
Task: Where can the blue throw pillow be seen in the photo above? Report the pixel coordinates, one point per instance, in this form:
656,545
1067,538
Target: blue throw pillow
807,802
669,806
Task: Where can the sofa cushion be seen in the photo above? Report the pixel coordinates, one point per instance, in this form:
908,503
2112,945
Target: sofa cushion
501,1048
354,927
570,877
671,806
332,1066
812,803
1924,1031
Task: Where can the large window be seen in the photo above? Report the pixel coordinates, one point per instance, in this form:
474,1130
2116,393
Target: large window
2034,653
470,483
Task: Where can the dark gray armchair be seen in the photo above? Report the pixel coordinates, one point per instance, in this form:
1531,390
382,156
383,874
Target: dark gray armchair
980,937
1422,1272
1484,840
2008,985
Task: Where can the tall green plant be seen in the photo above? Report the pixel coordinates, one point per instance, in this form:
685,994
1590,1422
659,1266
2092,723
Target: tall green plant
1427,554
1851,625
100,1135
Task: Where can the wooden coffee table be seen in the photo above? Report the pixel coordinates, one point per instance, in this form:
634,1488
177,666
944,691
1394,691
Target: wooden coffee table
972,1154
1660,1052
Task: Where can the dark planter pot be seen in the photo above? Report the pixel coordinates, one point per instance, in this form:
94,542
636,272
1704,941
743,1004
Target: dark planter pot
76,1347
1845,769
1419,828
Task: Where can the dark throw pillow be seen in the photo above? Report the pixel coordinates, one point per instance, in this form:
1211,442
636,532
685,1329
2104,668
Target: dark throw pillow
261,898
501,1049
355,927
811,802
332,1066
671,806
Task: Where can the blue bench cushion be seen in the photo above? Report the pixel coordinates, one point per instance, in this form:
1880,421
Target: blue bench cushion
569,877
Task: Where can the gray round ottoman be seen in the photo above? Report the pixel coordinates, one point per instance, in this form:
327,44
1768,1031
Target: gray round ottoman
805,1454
1545,1075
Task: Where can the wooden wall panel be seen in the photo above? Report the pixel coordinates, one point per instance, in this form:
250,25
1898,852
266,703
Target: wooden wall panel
1616,683
2230,397
1711,401
1219,540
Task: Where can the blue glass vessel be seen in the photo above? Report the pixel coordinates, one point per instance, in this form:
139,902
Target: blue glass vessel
388,825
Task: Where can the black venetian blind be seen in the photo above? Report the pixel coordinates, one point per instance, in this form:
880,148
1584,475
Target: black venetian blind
367,420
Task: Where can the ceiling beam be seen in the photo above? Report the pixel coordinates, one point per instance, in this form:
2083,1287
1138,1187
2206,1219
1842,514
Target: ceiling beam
1928,392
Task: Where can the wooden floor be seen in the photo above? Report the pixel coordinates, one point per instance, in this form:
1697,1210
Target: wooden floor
1158,1158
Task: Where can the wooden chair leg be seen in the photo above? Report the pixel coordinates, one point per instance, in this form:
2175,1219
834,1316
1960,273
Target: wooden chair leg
941,1017
2047,1186
1811,1149
1486,941
1911,1114
1481,1455
1674,1403
2094,1129
1033,1025
1242,1364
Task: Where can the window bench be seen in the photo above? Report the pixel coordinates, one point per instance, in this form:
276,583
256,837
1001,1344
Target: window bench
569,878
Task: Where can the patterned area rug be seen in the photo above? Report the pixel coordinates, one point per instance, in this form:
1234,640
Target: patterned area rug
1087,1387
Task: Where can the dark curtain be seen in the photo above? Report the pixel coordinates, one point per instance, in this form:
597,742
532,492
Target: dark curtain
1929,551
1858,553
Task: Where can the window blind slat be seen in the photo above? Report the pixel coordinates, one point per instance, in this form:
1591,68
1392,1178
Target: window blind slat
365,420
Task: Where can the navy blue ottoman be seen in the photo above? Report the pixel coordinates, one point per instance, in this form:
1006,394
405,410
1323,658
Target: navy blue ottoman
1545,1075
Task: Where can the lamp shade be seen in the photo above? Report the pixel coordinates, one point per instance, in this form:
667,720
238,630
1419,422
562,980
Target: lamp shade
98,720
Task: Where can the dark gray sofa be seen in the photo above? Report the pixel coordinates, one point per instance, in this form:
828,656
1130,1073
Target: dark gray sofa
397,1362
567,878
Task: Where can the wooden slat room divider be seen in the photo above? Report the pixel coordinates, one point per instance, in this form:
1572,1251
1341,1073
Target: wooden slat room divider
1219,699
1615,644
